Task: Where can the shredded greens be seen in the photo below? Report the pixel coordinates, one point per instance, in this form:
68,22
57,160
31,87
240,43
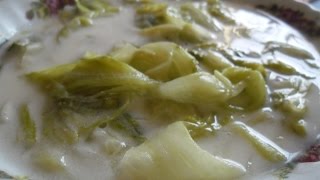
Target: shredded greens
82,16
291,101
99,83
79,14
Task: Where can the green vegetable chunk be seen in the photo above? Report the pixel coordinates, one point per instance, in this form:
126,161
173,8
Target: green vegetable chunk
163,61
291,101
83,14
199,88
172,154
123,53
158,14
199,127
197,15
294,109
101,76
253,95
252,65
28,127
163,31
263,145
129,126
283,68
168,110
288,49
217,10
56,129
214,61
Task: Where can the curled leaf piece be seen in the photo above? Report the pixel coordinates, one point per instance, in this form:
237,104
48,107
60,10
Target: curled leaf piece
216,9
197,15
288,49
123,53
159,21
163,61
102,76
291,101
174,147
294,108
283,68
199,88
158,14
253,95
83,91
82,16
168,110
212,60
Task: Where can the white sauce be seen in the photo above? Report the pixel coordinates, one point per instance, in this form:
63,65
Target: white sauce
87,160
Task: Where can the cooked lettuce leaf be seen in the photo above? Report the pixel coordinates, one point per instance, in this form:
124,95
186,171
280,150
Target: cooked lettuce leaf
172,154
201,88
294,108
101,76
123,53
154,14
290,99
195,14
163,61
272,46
212,61
82,16
253,95
283,68
217,10
263,145
85,89
129,126
199,127
160,21
189,33
167,110
56,128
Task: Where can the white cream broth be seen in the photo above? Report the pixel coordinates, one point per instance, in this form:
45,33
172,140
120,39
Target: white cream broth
88,160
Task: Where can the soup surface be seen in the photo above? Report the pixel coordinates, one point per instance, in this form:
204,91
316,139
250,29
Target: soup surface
94,84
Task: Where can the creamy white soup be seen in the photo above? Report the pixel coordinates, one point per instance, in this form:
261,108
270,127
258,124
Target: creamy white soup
156,90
